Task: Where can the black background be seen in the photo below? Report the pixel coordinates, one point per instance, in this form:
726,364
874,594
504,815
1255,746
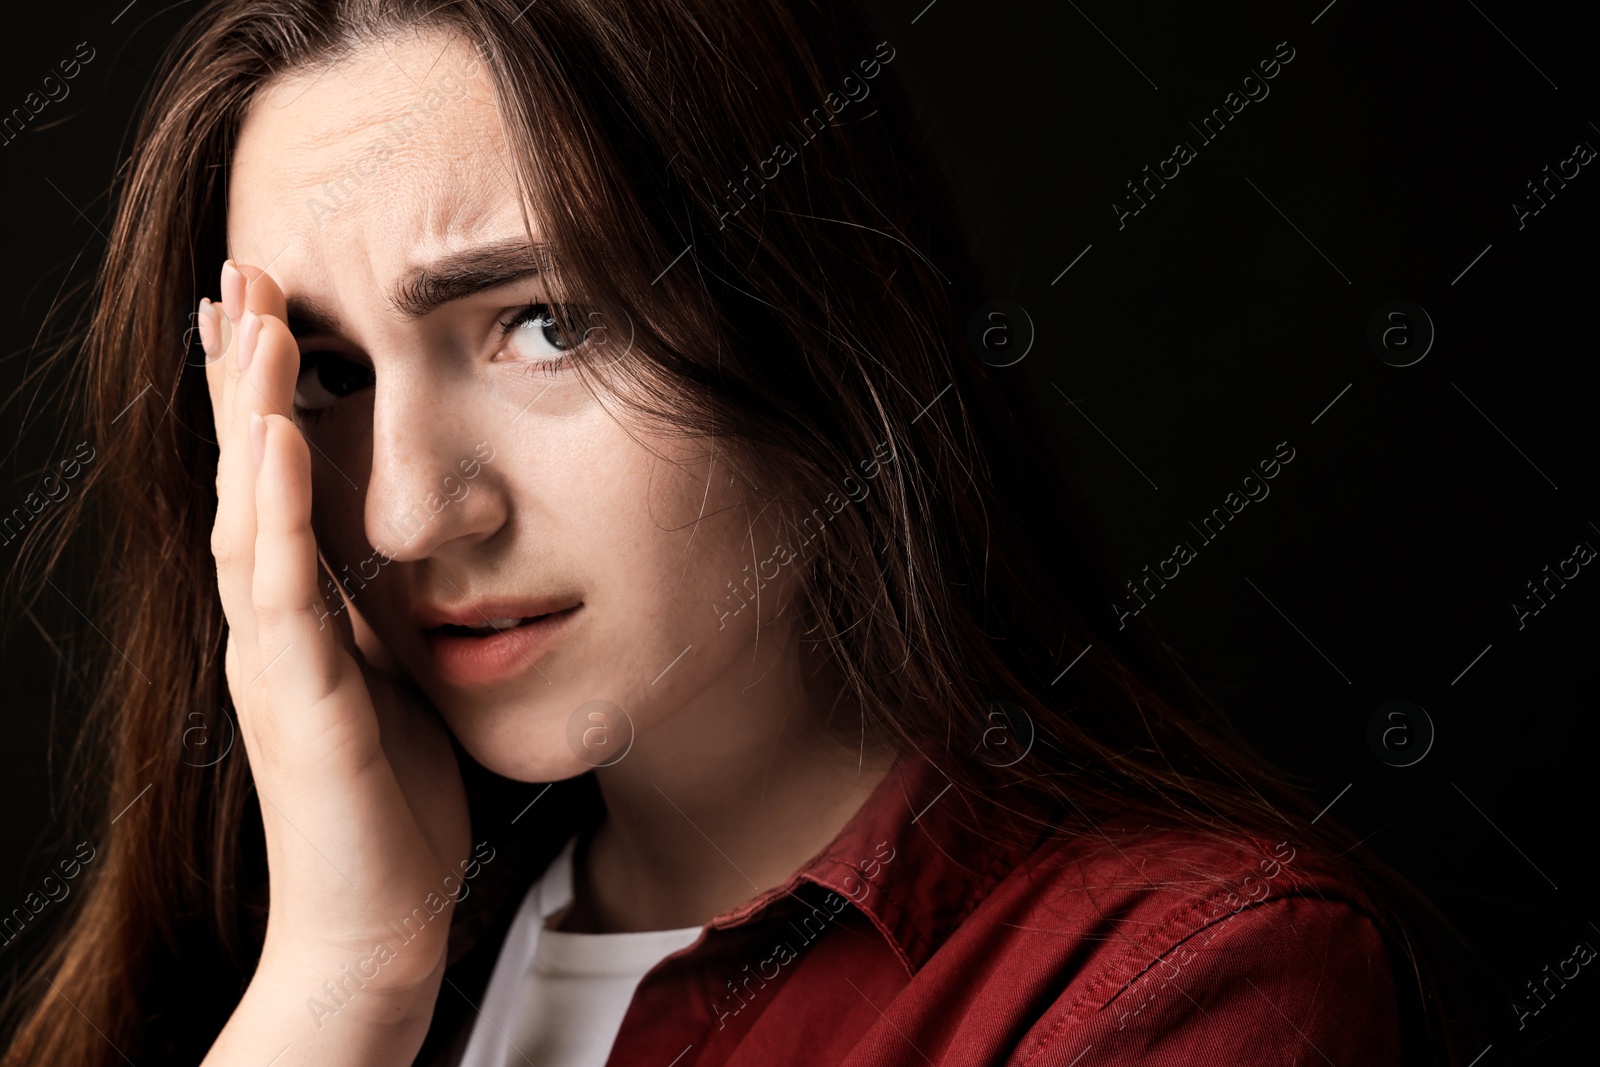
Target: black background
1225,317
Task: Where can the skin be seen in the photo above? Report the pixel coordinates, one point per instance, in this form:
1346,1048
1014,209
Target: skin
730,783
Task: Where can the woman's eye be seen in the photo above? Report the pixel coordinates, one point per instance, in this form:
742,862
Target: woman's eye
325,378
543,334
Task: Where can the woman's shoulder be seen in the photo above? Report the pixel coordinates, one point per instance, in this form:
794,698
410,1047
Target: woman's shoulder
1135,944
1175,876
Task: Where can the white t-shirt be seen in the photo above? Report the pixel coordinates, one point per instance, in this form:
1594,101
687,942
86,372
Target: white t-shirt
556,998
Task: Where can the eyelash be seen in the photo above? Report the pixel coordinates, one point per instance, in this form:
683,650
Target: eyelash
526,314
310,416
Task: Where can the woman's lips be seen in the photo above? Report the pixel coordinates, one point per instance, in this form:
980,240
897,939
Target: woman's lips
464,659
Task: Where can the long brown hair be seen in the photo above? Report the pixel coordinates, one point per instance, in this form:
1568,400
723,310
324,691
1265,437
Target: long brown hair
815,316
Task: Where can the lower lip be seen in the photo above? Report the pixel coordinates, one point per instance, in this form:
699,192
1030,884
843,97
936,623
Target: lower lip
465,660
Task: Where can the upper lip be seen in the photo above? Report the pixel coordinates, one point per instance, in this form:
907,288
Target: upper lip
477,612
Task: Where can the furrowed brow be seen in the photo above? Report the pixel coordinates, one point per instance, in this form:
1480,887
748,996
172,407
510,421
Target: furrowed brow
465,273
308,317
453,276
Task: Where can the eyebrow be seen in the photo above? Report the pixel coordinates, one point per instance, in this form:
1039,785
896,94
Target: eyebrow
451,277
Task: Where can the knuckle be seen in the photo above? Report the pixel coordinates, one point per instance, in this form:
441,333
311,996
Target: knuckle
267,613
222,545
267,741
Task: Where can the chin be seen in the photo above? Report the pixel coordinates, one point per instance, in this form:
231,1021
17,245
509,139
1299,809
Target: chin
516,741
528,768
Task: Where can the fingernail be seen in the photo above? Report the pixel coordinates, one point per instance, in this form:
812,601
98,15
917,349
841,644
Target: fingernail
232,290
207,327
258,438
249,331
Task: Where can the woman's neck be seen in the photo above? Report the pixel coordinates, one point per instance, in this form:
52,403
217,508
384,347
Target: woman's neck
741,788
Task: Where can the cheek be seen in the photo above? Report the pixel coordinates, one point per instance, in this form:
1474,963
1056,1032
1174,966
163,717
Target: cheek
703,527
664,544
698,568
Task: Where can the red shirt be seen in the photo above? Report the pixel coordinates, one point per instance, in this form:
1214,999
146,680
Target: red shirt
912,940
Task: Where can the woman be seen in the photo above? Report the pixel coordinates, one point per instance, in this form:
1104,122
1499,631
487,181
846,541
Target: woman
530,333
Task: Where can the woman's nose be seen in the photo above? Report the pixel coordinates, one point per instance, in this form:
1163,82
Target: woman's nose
432,478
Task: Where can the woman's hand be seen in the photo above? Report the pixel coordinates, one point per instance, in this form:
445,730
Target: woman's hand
361,798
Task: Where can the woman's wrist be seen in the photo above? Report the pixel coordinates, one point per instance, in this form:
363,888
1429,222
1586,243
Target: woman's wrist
288,1013
378,983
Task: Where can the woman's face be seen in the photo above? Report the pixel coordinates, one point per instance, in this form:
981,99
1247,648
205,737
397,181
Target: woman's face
444,432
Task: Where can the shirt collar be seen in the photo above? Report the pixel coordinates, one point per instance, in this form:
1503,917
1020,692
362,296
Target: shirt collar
911,860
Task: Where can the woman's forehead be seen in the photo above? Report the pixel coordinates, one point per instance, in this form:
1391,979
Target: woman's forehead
400,139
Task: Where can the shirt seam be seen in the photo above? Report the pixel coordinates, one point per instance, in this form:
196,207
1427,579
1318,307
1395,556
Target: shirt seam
1178,920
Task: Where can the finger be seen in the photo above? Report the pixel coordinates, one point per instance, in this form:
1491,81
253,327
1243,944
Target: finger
260,293
265,388
210,338
216,336
258,372
273,359
232,306
233,289
245,288
249,290
205,327
294,635
233,535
